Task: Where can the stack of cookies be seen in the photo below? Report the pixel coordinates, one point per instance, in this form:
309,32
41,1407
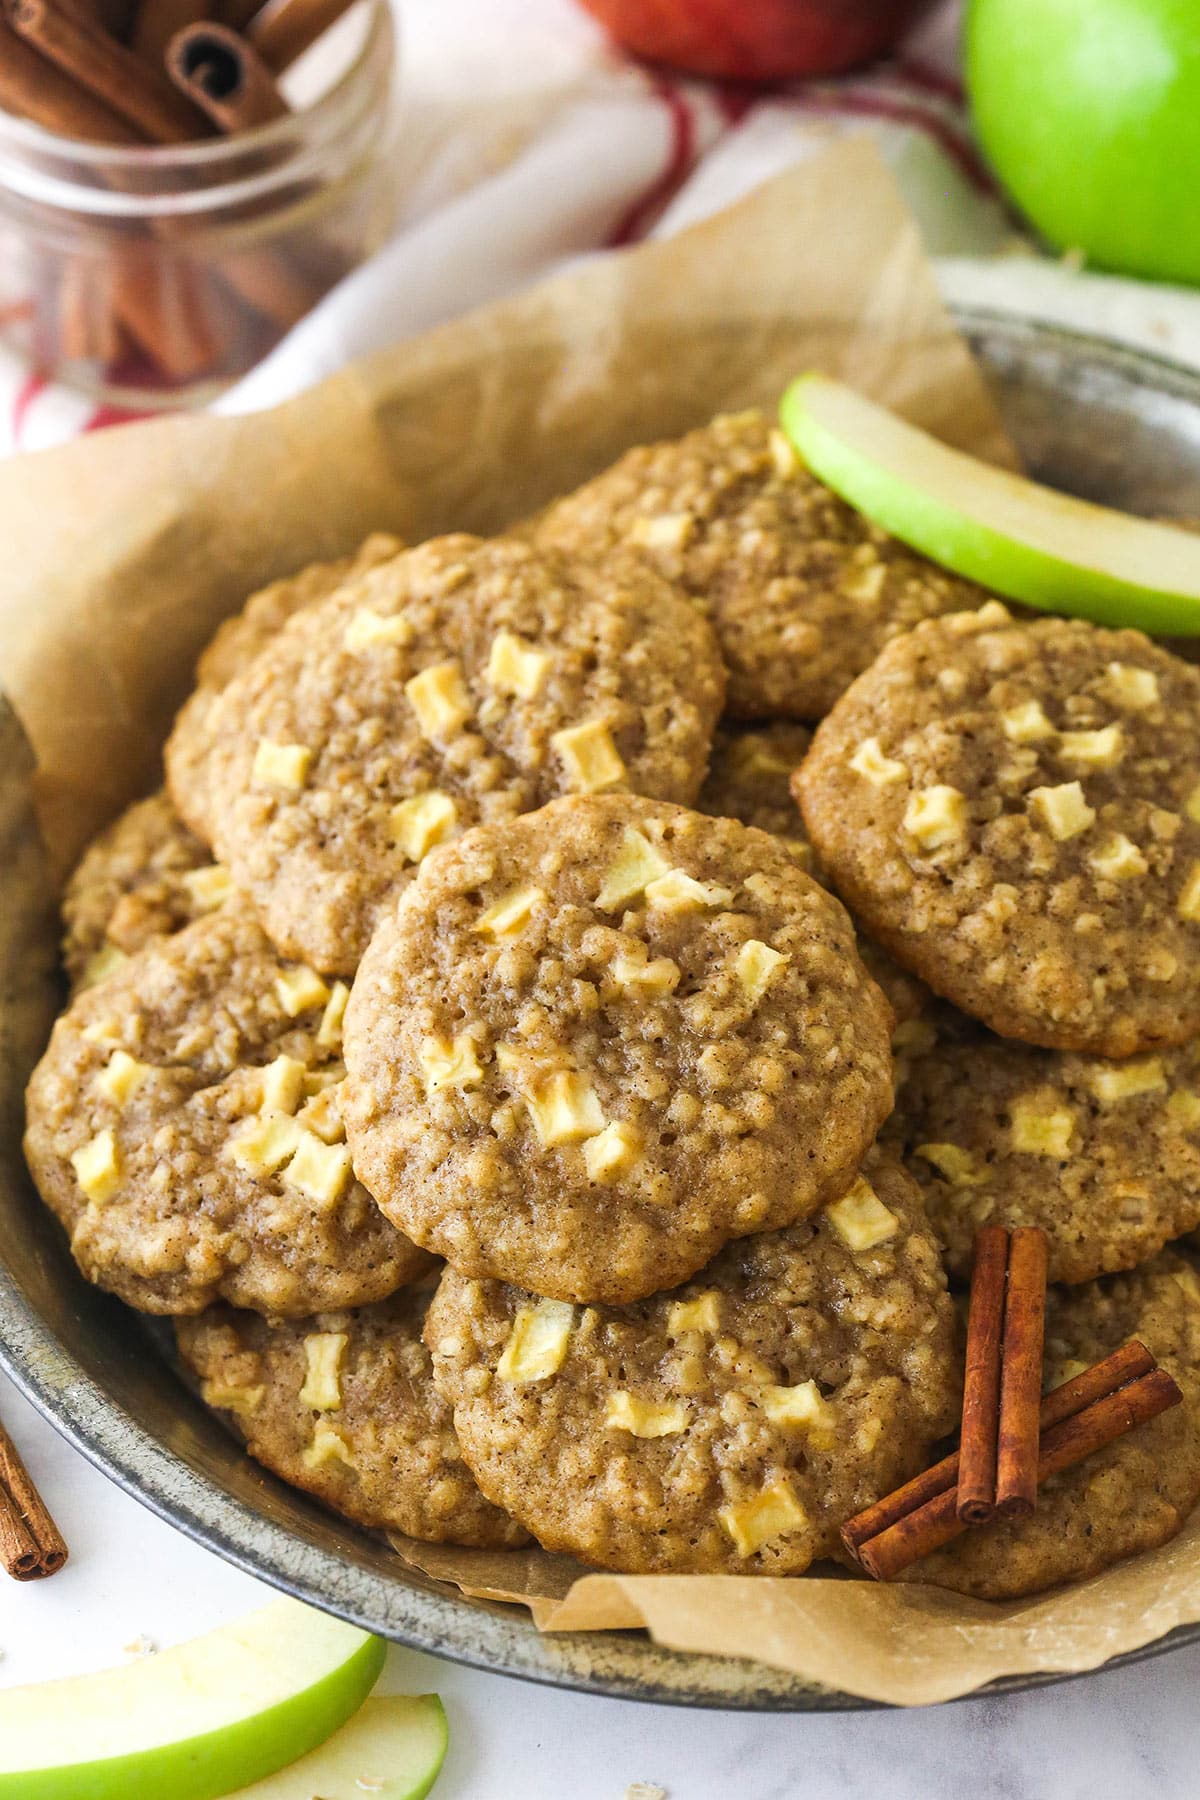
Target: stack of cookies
472,1051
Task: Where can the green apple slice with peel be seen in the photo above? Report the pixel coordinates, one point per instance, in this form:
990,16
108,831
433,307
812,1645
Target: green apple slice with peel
194,1722
1016,538
392,1749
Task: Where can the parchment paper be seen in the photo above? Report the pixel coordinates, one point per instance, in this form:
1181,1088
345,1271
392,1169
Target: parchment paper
122,552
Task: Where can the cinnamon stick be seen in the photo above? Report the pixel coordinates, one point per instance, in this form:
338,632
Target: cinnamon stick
77,44
981,1387
1021,1374
32,88
1071,1441
224,76
25,1515
285,29
1063,1402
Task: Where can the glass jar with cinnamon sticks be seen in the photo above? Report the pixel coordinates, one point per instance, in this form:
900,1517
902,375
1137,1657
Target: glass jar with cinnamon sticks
168,206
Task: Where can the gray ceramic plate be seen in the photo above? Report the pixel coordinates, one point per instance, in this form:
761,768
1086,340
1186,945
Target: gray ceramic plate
1104,422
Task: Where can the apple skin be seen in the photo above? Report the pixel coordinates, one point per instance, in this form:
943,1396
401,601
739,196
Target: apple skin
1089,112
1000,561
757,40
249,1741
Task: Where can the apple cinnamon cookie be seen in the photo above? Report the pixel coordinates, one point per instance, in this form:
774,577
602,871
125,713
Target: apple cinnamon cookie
1013,810
593,1044
1103,1155
802,590
729,1426
463,681
1130,1496
343,1405
184,1125
145,876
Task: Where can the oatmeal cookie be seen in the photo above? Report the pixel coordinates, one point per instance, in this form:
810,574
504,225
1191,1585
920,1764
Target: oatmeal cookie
239,639
1103,1155
343,1405
593,1044
1130,1496
463,681
145,876
730,1426
1013,811
184,1125
802,590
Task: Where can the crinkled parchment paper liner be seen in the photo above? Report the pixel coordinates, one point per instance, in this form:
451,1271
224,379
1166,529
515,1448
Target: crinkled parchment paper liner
121,553
907,1645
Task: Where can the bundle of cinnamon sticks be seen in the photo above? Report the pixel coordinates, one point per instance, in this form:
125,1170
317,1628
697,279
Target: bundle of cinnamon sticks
1013,1438
130,73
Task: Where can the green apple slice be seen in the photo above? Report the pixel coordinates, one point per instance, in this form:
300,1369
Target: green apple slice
392,1749
194,1722
1014,537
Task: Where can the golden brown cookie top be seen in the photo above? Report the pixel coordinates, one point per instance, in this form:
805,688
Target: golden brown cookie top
343,1405
463,681
1013,810
185,1126
592,1044
731,1425
803,592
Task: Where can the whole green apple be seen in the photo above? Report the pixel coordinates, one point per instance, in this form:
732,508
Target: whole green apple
1089,111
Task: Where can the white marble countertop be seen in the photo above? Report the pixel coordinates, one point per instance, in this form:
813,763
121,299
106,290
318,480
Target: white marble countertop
1130,1733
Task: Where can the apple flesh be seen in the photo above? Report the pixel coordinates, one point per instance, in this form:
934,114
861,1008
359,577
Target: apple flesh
1027,542
392,1749
757,40
196,1721
1089,112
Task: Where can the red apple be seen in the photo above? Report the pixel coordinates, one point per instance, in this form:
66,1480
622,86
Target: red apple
757,40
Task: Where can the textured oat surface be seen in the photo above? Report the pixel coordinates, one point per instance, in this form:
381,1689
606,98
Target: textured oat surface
239,640
731,1425
463,681
132,884
200,1099
673,1044
802,590
344,1406
1132,1495
1013,810
1103,1155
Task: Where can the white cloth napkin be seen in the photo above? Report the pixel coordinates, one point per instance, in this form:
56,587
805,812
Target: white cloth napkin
524,139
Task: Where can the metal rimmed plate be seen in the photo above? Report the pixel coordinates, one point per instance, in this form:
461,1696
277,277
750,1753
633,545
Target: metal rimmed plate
1109,423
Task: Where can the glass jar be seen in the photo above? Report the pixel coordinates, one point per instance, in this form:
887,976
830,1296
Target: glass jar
153,278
